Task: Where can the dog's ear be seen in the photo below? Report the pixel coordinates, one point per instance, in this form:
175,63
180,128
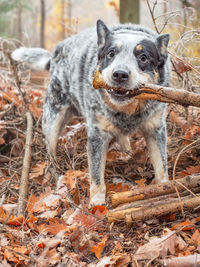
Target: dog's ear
102,33
162,43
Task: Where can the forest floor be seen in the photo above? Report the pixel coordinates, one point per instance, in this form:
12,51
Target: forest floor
58,229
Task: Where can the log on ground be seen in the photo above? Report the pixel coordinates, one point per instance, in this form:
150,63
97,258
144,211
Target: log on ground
154,190
157,210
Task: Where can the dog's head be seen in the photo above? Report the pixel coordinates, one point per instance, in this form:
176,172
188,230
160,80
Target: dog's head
127,59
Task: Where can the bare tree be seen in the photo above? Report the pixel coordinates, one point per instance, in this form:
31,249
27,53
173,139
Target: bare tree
42,27
19,21
69,9
63,18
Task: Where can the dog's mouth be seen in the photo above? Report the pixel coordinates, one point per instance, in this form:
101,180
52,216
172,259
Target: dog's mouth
122,94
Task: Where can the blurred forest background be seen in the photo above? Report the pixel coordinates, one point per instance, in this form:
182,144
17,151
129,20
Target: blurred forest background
42,23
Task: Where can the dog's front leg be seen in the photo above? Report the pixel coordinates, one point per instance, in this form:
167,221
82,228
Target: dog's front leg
156,139
97,149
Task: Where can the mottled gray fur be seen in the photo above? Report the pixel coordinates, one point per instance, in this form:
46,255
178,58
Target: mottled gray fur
70,92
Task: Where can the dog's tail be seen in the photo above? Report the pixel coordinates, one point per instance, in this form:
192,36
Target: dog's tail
36,58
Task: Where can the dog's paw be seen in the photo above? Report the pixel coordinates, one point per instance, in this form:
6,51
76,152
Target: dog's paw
97,200
97,194
161,180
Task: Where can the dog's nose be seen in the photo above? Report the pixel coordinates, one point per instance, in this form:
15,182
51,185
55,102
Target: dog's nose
120,75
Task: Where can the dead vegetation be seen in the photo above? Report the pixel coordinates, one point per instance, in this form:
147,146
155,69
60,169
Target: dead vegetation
57,229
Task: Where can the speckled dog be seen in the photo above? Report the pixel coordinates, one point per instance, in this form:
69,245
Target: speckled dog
127,56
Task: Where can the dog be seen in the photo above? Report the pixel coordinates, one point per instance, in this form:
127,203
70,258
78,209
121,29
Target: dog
127,56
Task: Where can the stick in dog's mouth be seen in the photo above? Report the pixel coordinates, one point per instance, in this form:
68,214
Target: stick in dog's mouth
98,82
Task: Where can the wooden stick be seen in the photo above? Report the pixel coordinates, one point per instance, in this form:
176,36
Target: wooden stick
151,201
164,209
23,191
124,211
154,190
154,92
156,210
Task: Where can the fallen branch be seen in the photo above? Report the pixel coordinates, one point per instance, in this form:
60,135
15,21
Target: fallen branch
121,212
162,210
158,209
154,190
154,92
23,191
149,202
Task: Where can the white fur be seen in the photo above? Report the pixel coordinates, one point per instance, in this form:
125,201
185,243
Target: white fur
36,58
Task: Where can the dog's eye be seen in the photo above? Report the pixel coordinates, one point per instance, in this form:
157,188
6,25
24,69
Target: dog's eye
143,58
111,54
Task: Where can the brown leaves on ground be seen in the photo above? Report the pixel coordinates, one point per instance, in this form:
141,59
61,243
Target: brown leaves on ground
170,242
97,249
58,228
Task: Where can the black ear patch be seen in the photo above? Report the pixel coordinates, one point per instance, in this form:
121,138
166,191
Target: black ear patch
162,44
103,33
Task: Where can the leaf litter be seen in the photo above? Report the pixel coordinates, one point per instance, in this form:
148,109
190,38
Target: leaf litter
58,229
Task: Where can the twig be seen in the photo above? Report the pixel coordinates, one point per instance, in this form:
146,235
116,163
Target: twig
174,172
152,15
179,154
26,166
14,70
179,199
23,191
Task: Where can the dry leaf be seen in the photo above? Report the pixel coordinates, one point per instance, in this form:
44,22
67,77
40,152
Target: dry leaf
35,110
180,65
86,220
37,170
99,247
192,131
106,261
119,187
189,171
141,182
196,237
53,227
117,156
186,225
2,141
178,120
3,214
17,221
31,203
124,261
11,97
160,246
15,254
70,180
99,211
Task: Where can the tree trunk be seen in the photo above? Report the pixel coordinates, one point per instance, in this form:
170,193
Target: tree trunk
19,22
42,27
130,11
69,9
63,19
